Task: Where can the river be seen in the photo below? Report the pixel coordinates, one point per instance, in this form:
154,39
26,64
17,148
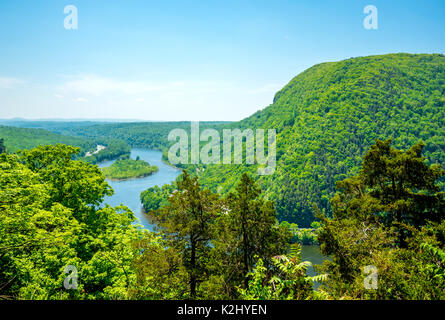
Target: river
127,192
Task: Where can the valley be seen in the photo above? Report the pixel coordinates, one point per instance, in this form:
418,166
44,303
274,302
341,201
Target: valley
358,145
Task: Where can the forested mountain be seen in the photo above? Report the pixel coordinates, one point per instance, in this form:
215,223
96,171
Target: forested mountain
329,115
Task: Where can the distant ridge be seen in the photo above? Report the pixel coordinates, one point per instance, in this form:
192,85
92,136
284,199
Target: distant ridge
74,119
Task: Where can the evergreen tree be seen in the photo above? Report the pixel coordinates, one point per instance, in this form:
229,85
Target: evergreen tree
250,229
391,217
188,222
394,188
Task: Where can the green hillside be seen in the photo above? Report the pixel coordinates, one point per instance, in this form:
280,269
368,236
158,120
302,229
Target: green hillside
24,138
27,138
329,115
152,135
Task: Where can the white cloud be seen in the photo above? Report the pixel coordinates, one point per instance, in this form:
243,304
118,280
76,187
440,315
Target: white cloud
97,85
92,95
10,83
268,88
58,96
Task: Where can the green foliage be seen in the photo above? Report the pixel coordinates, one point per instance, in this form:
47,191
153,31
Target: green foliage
394,188
16,139
113,149
51,217
160,270
286,281
150,135
211,240
153,198
248,228
391,216
127,169
188,222
304,236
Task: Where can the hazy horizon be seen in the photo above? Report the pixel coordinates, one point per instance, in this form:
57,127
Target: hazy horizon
100,120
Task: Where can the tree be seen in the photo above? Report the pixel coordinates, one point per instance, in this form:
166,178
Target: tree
51,216
188,222
395,188
248,229
160,271
389,216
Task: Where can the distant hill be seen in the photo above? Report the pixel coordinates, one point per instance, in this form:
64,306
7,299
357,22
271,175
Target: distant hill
329,115
16,139
153,135
25,138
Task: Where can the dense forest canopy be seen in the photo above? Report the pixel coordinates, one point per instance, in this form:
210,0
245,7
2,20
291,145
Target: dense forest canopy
23,138
2,145
51,217
151,135
16,139
389,217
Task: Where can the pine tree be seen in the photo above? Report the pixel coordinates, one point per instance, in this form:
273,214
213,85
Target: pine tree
188,222
391,217
251,230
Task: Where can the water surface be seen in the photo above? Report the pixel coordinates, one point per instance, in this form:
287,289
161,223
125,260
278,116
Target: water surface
127,192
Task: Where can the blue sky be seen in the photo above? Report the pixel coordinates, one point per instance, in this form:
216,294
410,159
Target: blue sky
188,60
